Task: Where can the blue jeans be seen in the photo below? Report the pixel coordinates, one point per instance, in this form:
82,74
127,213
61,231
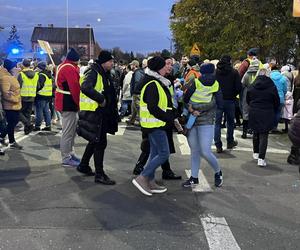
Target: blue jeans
229,113
159,152
200,140
42,112
124,107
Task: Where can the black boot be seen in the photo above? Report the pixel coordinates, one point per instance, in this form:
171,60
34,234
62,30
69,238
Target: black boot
170,175
86,170
139,167
294,158
104,179
245,129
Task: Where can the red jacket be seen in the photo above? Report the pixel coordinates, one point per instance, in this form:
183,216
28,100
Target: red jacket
67,80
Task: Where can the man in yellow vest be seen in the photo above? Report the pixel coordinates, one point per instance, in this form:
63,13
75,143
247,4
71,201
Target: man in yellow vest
28,80
43,98
98,115
156,114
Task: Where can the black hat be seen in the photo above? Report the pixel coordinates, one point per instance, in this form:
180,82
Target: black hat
9,65
156,63
226,58
252,52
192,62
26,63
42,65
73,55
165,54
207,68
104,56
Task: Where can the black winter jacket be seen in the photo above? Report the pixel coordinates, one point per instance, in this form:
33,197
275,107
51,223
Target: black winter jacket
229,80
104,119
263,100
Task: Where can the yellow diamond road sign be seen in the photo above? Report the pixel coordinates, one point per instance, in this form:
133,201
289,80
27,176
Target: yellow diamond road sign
195,50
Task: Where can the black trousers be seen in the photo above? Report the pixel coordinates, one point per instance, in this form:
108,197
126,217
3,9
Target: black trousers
97,150
25,114
12,119
143,160
260,144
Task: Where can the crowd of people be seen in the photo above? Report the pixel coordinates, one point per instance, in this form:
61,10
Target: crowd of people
193,97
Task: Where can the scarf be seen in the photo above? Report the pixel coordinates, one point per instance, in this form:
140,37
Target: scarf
162,79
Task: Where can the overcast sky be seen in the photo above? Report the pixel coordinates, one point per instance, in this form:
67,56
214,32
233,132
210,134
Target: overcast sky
132,25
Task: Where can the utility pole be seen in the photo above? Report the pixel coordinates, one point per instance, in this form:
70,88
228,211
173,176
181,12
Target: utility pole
67,16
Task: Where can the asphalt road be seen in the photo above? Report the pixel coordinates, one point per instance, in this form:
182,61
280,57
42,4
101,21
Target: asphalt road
46,206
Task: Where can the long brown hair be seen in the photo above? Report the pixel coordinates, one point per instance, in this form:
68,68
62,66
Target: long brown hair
297,78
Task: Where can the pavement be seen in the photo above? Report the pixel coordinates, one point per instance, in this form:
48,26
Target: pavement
46,206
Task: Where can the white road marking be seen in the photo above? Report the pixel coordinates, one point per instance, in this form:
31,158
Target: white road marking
218,234
203,185
183,145
121,130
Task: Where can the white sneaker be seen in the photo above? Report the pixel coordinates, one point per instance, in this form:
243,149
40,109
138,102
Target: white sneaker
255,156
261,163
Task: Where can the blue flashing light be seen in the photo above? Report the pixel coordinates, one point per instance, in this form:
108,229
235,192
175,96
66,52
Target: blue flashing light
42,52
15,51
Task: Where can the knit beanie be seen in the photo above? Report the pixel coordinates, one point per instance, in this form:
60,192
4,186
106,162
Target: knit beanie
165,54
225,59
207,68
42,65
73,55
26,63
156,63
9,65
104,56
192,62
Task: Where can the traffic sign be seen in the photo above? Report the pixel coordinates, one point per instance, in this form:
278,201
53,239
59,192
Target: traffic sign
195,50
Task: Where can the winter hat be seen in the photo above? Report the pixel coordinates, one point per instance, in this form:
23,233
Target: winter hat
165,54
73,55
286,68
42,65
207,68
9,65
225,59
156,63
135,63
192,62
104,56
26,63
252,52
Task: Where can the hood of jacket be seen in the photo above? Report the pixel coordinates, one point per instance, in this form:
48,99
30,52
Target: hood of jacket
29,73
276,75
4,72
263,82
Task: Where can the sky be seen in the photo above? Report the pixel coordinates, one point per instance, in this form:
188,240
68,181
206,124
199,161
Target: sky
133,25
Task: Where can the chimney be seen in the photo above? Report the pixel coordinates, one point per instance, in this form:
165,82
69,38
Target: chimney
39,25
50,25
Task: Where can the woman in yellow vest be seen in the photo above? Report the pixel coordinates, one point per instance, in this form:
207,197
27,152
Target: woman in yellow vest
43,98
204,95
156,114
98,115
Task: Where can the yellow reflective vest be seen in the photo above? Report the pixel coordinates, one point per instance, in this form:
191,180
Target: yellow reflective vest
47,89
147,120
203,94
29,85
86,103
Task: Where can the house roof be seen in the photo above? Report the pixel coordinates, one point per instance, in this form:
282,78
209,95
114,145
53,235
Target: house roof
59,35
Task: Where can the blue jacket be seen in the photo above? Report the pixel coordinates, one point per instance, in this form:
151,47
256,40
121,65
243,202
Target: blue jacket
281,84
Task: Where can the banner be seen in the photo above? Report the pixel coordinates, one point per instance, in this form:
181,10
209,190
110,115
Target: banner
296,8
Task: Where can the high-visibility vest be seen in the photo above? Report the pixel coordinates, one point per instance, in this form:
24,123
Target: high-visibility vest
203,94
86,103
147,120
47,89
64,92
29,85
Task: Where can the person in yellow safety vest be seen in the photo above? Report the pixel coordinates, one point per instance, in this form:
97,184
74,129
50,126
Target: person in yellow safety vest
98,115
156,114
28,80
43,98
167,172
207,97
251,55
